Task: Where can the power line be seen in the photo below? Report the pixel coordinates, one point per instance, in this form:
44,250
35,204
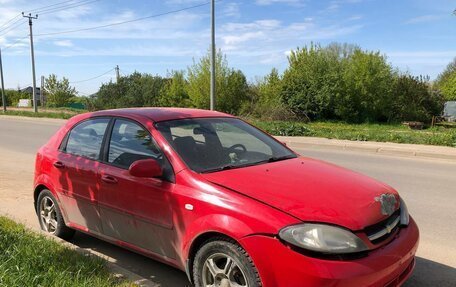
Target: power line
46,10
10,20
73,5
10,28
40,8
93,78
125,22
37,10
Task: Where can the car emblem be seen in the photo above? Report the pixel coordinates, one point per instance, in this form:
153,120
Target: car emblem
388,203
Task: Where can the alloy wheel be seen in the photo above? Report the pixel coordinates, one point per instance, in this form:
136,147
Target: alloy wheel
48,215
220,270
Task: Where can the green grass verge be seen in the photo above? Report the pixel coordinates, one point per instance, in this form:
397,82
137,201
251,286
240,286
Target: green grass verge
31,259
361,132
53,115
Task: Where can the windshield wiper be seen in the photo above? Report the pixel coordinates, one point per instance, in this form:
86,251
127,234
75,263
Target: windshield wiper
232,166
223,167
279,158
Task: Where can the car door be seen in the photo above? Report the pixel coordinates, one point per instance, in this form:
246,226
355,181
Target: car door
77,164
135,210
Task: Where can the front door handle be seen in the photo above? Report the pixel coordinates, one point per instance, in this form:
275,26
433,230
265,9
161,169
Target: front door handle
59,164
109,179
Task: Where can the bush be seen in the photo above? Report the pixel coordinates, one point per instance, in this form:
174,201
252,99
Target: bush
13,97
136,90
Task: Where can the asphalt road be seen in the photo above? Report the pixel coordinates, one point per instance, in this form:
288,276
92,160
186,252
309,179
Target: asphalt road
428,186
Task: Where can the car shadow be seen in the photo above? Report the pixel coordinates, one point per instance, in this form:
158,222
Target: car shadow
426,273
157,272
430,273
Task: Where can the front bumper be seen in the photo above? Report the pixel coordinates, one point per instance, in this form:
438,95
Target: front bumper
388,266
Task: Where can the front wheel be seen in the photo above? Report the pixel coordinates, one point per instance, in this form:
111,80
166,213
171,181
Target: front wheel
222,263
50,216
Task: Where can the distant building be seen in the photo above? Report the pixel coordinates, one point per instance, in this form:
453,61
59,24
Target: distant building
29,90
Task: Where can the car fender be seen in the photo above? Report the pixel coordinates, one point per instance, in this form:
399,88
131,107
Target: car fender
45,180
214,223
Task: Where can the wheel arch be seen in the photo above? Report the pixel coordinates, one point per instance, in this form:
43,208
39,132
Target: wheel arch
38,189
197,243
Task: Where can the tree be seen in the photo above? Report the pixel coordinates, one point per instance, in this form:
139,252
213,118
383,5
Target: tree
58,92
269,103
174,92
414,100
446,81
367,92
314,78
136,90
231,85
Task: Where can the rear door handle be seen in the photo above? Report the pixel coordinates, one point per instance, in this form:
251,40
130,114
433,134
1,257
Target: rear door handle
59,164
109,179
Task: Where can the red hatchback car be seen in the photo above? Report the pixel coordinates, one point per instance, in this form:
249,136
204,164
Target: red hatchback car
212,195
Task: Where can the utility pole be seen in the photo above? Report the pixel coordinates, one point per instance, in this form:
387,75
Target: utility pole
117,73
32,54
213,55
3,84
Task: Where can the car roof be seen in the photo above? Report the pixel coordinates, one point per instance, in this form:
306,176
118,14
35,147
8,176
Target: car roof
161,114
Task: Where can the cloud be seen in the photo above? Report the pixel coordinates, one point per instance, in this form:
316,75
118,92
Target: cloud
268,41
231,10
423,19
64,43
270,2
336,4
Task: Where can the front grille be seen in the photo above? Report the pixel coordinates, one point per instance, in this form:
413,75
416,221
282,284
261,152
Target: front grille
384,229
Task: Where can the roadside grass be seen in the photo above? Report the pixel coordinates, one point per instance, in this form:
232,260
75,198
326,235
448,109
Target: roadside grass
396,133
42,114
32,259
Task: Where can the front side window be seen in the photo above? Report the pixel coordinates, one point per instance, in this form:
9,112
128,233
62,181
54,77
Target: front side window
214,144
129,143
86,138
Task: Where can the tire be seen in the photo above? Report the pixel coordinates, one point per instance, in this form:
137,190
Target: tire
50,216
210,265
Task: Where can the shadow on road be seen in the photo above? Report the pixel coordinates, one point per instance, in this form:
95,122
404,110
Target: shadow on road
162,274
430,273
426,273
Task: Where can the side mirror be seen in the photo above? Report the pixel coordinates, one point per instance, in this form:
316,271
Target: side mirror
146,168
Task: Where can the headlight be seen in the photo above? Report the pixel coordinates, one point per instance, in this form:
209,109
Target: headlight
323,238
405,217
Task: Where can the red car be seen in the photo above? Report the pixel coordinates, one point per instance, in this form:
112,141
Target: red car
225,202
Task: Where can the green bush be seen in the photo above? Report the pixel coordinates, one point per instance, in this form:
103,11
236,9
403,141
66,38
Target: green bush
13,97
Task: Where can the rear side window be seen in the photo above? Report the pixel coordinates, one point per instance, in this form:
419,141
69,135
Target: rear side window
86,138
129,143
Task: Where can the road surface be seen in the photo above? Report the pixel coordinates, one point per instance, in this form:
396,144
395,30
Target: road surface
428,187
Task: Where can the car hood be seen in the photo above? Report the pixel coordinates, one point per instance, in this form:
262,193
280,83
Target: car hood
310,190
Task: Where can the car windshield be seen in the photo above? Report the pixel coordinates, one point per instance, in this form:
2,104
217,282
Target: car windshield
215,144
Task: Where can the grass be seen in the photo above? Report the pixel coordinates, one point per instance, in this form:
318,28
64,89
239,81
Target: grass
31,259
396,133
41,114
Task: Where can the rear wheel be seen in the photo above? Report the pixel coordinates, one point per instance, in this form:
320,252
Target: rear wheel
50,216
222,263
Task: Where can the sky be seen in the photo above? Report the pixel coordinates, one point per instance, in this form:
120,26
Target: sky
417,36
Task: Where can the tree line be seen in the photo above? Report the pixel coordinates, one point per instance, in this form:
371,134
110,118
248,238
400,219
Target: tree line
335,82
